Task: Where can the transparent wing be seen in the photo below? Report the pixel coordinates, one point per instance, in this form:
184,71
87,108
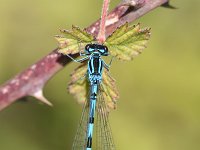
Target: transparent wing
78,87
106,100
104,139
81,134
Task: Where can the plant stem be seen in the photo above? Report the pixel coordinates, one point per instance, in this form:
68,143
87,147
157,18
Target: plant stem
101,36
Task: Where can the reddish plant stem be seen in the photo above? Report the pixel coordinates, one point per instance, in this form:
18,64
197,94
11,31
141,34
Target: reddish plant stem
101,36
31,81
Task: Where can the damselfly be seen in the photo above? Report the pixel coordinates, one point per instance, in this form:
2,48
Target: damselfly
95,103
125,43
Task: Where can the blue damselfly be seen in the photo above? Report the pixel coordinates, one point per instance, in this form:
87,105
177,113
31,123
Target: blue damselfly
95,105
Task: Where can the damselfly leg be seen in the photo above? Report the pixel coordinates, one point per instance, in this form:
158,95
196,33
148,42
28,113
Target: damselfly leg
107,66
78,60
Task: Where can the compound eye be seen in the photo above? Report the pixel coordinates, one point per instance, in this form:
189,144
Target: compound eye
106,49
92,46
87,47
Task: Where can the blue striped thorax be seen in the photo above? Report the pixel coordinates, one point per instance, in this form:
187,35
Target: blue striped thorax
95,63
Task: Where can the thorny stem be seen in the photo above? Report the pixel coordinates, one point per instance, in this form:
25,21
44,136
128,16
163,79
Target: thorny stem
101,36
32,81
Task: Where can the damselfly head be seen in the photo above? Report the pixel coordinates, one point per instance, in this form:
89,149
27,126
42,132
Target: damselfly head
101,49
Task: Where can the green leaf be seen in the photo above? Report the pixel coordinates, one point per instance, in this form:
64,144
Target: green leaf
79,87
82,35
127,41
109,91
72,40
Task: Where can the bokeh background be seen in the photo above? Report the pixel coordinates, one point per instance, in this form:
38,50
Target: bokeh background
159,105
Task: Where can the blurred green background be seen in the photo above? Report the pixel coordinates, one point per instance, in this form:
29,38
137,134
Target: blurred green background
159,105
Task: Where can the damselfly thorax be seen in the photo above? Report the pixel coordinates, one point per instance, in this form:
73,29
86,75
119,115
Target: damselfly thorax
95,62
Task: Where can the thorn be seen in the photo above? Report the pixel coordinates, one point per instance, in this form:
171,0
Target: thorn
58,36
167,5
39,95
64,30
61,30
75,27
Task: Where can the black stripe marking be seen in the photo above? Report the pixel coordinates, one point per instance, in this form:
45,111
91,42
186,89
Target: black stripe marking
93,96
89,142
96,65
90,66
101,67
91,120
